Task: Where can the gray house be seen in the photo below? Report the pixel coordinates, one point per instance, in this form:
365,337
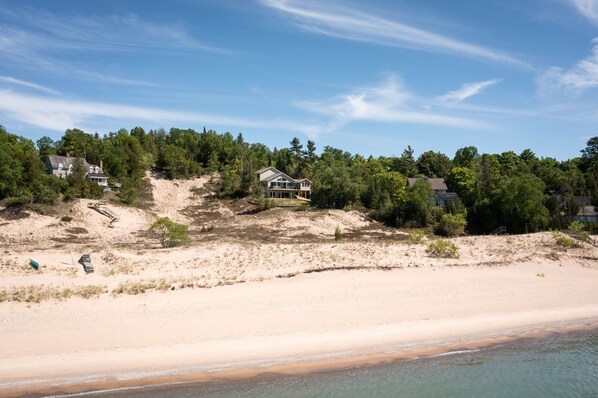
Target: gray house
279,185
442,197
586,214
62,166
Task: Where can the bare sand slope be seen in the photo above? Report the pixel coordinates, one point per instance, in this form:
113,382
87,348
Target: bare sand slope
173,196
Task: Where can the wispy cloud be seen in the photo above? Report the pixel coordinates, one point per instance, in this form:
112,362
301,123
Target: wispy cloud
127,32
581,77
353,24
467,90
588,8
44,41
387,102
59,114
12,80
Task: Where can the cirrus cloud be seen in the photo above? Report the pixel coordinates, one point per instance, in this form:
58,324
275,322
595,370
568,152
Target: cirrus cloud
353,24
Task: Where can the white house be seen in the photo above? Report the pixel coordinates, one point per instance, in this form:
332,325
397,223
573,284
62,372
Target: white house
279,185
62,166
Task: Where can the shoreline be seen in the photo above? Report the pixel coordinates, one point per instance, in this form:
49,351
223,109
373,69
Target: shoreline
310,323
181,376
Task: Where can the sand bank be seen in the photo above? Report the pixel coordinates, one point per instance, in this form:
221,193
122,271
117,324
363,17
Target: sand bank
308,322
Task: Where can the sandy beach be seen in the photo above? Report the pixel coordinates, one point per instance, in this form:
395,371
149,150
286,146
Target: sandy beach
265,292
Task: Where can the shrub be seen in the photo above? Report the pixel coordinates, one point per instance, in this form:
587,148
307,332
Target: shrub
70,194
338,234
443,248
452,224
416,236
129,196
266,203
66,219
576,226
562,240
169,233
19,201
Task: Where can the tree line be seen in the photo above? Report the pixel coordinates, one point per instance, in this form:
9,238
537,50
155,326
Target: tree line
523,192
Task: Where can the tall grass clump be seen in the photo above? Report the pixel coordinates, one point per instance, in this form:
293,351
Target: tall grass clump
338,234
416,236
443,248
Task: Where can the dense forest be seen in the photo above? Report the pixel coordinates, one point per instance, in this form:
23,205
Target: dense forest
522,192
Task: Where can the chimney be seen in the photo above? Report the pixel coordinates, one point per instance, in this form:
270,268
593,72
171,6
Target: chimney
101,164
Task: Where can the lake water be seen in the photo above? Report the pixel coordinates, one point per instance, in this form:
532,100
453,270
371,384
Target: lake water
557,366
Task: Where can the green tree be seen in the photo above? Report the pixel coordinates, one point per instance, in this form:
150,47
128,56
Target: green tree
433,164
591,150
310,153
46,146
464,157
296,147
463,181
521,203
418,205
406,164
336,183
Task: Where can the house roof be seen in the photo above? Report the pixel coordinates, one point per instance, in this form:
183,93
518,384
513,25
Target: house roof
56,160
67,161
260,171
302,180
279,174
436,183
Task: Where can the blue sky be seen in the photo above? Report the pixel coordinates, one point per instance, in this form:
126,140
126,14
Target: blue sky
368,77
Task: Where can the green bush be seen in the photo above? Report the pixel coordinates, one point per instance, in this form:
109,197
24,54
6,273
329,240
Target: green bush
66,219
169,233
562,240
452,224
443,248
576,226
265,203
129,196
70,194
416,236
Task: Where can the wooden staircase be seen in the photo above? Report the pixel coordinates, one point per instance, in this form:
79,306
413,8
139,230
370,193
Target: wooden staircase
101,208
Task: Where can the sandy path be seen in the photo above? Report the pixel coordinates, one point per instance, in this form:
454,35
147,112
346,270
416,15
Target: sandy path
172,196
311,317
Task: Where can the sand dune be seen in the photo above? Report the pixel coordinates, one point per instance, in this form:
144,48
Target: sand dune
262,291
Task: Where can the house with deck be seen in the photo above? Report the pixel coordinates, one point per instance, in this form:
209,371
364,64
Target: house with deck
63,166
279,185
442,196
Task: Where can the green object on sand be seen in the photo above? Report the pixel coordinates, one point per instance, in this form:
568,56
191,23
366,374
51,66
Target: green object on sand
34,264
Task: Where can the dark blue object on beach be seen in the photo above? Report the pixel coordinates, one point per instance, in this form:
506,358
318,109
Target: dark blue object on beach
34,264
